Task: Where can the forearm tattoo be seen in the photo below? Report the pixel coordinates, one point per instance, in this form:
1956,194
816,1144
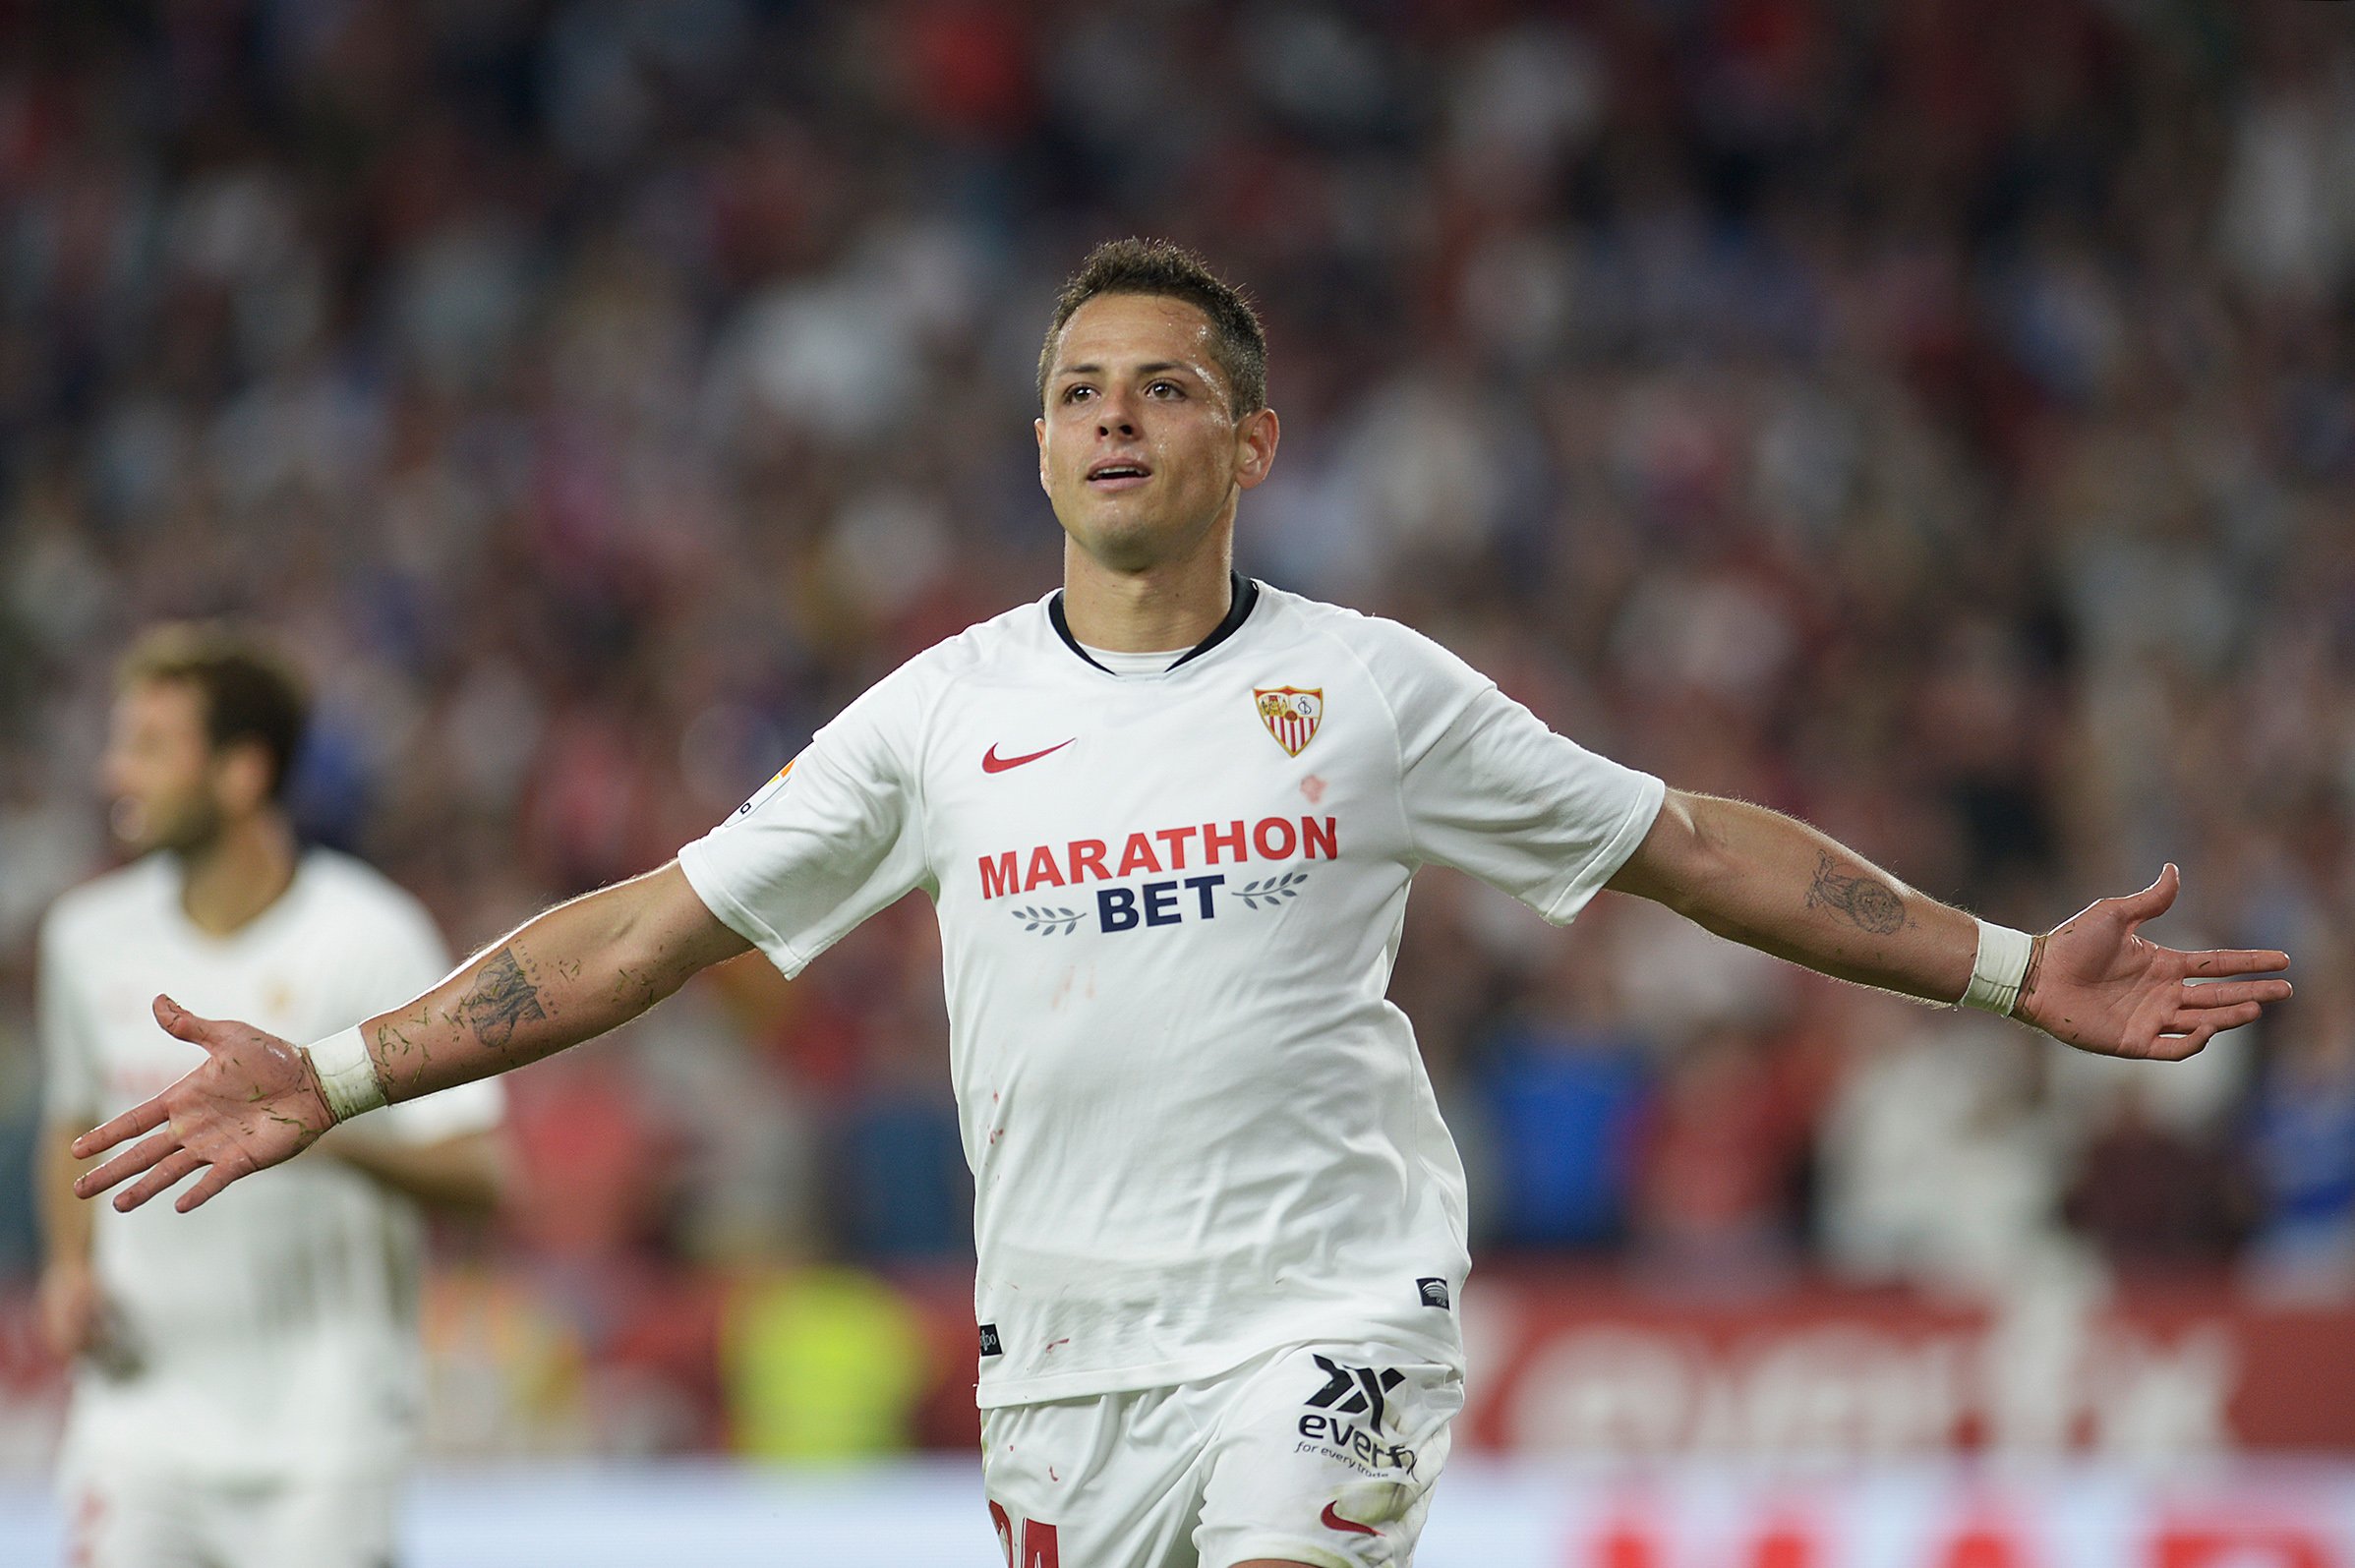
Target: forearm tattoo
1865,904
500,999
400,1046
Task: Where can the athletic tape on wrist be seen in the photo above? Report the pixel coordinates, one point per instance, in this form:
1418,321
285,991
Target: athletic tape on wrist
346,1077
2000,968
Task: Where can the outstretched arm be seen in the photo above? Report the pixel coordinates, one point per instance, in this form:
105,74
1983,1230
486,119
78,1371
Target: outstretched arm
567,975
1775,884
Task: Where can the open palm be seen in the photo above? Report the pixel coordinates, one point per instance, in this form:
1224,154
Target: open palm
2102,987
249,1104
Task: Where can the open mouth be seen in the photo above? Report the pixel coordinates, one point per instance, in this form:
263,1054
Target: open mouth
1117,473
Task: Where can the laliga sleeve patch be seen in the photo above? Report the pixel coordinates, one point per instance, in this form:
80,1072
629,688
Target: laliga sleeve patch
765,790
1434,1292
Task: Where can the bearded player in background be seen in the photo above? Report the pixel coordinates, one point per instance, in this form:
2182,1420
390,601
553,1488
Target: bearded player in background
1168,817
246,1388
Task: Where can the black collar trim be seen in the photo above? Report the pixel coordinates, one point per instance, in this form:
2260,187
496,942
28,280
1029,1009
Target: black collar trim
1242,597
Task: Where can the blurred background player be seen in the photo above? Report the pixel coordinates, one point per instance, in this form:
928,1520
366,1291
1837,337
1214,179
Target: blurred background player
247,1387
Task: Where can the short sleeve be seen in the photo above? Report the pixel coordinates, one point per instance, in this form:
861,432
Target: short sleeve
69,1071
406,957
1488,788
834,836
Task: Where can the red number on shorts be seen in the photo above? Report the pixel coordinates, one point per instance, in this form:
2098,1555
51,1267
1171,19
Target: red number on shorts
1039,1546
82,1551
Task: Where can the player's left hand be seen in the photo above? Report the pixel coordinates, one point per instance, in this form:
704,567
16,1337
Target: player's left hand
2101,986
251,1103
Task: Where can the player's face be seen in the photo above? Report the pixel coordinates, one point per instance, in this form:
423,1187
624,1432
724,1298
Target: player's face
1139,449
162,774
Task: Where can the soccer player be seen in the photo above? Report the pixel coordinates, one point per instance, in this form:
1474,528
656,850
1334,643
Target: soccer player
247,1380
1168,817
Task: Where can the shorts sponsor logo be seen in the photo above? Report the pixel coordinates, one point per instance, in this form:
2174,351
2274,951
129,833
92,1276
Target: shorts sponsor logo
1355,1390
1346,1417
1291,713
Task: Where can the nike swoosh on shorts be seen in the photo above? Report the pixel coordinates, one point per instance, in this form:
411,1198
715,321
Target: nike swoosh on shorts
1328,1517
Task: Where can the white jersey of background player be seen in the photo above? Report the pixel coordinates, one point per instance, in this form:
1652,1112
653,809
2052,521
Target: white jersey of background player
1220,1228
246,1389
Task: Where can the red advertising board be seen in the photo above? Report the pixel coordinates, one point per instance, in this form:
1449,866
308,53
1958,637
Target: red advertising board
1580,1365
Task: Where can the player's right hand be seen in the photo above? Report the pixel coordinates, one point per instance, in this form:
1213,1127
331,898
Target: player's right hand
251,1103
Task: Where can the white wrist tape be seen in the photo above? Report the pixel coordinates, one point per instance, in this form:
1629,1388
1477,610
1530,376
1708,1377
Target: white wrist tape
2000,968
345,1075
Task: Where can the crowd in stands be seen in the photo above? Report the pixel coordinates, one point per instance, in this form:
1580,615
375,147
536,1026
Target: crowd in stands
1936,419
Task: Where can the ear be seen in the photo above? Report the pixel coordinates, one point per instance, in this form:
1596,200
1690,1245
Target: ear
1255,436
241,778
1038,425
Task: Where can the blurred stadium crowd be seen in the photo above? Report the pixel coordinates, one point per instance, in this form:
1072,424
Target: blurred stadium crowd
1936,419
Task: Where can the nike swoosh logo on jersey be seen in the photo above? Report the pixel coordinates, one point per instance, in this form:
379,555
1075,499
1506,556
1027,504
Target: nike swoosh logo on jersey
991,762
1335,1521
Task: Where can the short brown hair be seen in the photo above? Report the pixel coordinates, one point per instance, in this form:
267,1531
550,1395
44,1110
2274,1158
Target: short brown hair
1159,267
250,693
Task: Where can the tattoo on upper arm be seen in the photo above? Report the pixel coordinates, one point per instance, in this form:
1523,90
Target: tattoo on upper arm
1865,902
500,999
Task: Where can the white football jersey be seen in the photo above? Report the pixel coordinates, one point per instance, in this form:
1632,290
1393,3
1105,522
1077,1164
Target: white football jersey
1169,907
272,1331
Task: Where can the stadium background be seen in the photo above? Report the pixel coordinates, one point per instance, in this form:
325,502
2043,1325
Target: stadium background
1936,419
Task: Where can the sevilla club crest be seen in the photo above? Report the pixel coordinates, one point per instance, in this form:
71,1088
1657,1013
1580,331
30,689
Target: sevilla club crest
1291,713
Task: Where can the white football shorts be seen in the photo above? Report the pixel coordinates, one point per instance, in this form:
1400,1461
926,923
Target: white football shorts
1321,1454
137,1516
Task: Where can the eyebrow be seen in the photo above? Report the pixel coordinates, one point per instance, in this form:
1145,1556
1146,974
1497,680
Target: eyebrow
1142,369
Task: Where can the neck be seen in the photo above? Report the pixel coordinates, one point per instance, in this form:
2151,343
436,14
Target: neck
1165,607
238,873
